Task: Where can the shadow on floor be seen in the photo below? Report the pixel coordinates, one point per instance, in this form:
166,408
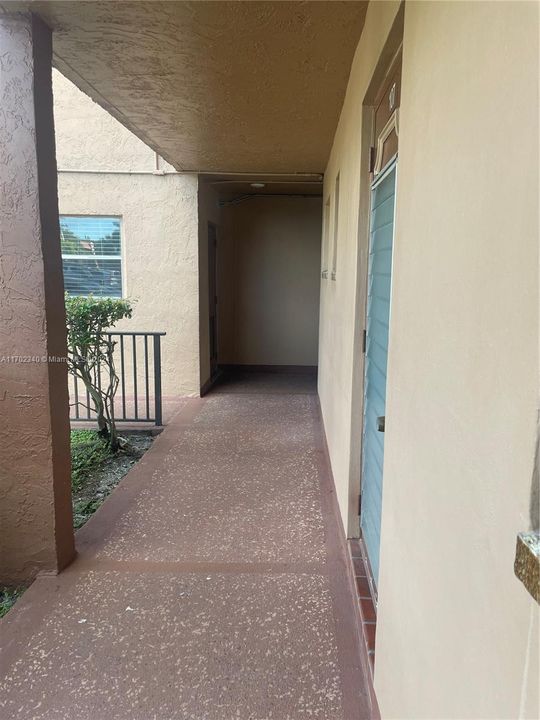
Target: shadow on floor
251,382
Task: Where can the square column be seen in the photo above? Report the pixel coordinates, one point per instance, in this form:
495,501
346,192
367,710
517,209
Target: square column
36,529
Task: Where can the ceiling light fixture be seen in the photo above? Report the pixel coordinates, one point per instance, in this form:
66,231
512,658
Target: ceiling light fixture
257,185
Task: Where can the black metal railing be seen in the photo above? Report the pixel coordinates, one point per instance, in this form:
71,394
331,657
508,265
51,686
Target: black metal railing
137,361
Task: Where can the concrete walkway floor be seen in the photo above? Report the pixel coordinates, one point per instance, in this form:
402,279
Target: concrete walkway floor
212,584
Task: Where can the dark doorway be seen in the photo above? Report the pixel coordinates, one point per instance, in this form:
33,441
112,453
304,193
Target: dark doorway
212,297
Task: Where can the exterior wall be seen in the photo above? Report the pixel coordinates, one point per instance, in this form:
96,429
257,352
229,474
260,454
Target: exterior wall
106,145
457,634
159,246
36,524
269,263
159,225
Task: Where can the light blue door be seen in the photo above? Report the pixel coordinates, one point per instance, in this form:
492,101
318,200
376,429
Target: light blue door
378,315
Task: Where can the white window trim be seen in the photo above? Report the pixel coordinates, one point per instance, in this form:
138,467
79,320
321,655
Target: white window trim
335,232
326,237
121,256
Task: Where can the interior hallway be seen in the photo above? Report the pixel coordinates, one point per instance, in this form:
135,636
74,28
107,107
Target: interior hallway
211,584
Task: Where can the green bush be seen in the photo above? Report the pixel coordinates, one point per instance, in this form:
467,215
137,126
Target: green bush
91,354
88,317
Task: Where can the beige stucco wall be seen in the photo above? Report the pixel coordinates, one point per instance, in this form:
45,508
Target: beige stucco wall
457,634
159,225
160,268
268,287
105,146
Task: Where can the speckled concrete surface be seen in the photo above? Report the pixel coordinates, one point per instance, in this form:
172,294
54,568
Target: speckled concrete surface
211,584
240,484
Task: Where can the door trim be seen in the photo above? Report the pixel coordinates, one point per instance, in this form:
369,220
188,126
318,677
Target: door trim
386,61
391,166
212,299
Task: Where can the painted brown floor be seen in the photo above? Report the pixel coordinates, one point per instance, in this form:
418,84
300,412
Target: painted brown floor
212,583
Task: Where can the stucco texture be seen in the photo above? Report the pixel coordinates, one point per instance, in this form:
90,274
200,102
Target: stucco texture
159,246
35,510
163,70
89,138
159,230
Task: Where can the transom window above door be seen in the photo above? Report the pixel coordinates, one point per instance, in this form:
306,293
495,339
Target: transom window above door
91,255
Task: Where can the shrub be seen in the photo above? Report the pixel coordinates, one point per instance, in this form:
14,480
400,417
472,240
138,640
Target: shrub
91,354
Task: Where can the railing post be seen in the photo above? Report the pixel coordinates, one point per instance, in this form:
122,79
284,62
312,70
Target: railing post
157,379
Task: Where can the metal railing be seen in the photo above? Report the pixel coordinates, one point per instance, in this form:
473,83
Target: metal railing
137,360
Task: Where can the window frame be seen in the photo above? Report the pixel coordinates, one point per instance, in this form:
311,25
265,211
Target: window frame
326,237
120,257
335,228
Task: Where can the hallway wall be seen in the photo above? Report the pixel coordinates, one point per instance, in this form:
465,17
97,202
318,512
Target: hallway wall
342,299
268,281
457,633
462,398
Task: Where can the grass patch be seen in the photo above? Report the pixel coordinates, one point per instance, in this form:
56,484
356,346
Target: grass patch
88,451
95,471
8,598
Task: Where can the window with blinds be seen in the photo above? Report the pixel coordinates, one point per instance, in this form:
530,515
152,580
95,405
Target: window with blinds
91,255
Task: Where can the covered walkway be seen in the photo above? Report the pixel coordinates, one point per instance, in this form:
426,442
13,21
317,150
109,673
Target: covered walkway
212,584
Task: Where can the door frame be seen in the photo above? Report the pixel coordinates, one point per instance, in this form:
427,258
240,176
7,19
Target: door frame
391,166
213,338
387,58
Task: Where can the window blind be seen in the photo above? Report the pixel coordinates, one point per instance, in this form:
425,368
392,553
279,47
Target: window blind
91,255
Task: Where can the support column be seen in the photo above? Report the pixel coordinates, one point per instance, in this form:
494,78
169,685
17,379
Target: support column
36,529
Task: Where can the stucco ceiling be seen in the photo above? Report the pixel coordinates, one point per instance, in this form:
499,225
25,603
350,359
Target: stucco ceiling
214,86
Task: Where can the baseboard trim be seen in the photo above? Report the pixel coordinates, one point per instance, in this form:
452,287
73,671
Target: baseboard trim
366,660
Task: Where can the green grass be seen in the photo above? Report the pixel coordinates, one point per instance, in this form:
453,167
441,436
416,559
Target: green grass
88,451
84,509
8,598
